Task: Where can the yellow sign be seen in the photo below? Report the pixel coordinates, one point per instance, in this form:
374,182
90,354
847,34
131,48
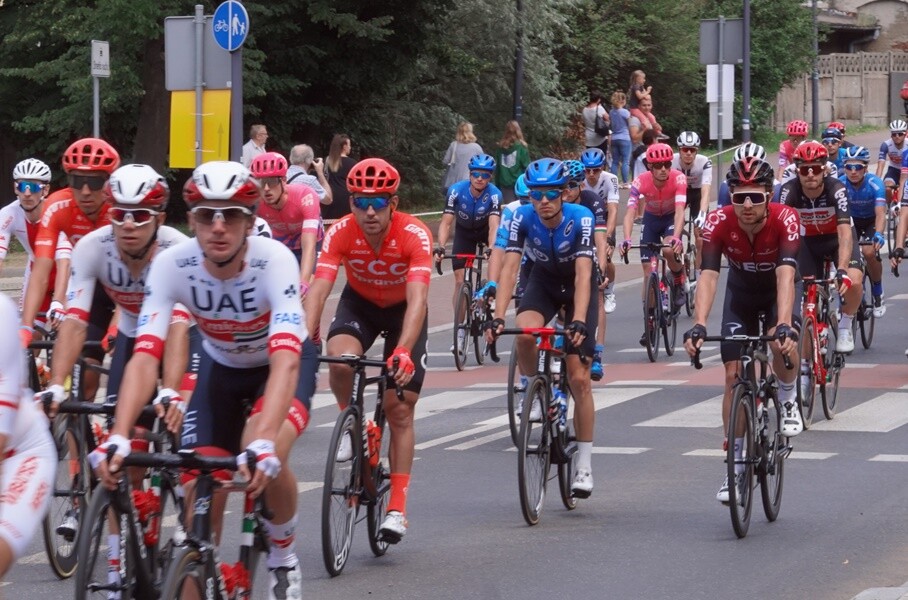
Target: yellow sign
215,127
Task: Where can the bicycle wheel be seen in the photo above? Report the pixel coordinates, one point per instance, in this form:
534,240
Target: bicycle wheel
865,316
652,316
566,469
378,507
171,509
829,387
807,393
534,451
185,575
514,391
462,319
72,490
690,274
830,398
775,448
892,224
740,488
669,318
93,575
340,494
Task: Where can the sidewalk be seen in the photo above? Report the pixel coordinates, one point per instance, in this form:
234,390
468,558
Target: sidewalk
893,593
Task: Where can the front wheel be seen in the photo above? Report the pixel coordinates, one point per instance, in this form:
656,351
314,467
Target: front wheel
186,576
463,318
652,316
865,316
341,491
515,392
807,380
775,449
830,398
740,469
669,317
534,451
95,534
72,487
690,274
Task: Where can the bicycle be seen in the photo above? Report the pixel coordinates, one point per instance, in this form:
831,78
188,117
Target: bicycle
470,314
659,310
864,318
689,259
195,565
893,209
363,479
551,440
755,409
820,363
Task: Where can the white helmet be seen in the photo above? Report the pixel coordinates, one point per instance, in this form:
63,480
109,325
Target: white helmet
222,180
137,185
688,139
898,126
32,169
749,150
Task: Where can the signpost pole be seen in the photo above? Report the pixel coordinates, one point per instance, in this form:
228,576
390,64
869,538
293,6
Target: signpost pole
719,111
236,104
96,108
100,67
199,80
745,83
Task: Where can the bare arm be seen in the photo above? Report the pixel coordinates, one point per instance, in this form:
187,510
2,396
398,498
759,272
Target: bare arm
494,221
139,380
176,355
37,287
785,293
283,374
307,258
583,272
61,280
315,302
706,293
67,349
444,229
319,165
845,243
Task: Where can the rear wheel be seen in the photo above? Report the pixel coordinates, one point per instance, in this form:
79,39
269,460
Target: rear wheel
740,485
71,493
515,390
865,317
533,452
775,446
652,316
463,317
185,576
341,492
93,579
830,384
809,353
670,318
568,445
830,398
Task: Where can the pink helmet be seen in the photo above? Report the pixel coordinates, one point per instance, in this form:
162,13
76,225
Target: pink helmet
797,128
657,153
269,164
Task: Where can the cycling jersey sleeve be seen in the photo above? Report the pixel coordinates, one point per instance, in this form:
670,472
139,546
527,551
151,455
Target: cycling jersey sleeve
784,159
840,197
517,230
12,369
501,236
884,151
64,249
309,204
905,162
707,178
451,202
680,189
287,330
6,228
418,251
159,301
711,234
634,196
496,201
337,238
789,236
86,259
50,229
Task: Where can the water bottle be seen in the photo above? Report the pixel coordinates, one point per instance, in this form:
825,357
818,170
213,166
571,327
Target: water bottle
663,293
561,402
824,339
373,435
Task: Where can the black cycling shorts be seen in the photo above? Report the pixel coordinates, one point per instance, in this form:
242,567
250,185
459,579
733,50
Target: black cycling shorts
740,312
817,248
547,296
466,241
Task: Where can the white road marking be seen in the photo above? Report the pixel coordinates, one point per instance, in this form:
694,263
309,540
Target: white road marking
707,414
889,458
880,415
718,453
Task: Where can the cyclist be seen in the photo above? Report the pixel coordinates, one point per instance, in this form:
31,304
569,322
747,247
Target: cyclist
257,354
74,211
291,210
699,172
745,150
841,127
28,456
387,256
574,194
522,193
867,200
561,237
664,193
760,242
797,133
473,211
606,185
21,219
826,231
888,166
832,139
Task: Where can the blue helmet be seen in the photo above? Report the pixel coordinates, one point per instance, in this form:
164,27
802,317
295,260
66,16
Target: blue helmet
831,133
859,153
574,170
592,158
482,162
521,190
546,172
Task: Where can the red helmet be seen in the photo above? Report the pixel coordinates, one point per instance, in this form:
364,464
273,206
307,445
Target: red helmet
222,180
837,125
90,154
269,164
811,151
750,170
373,176
797,128
656,153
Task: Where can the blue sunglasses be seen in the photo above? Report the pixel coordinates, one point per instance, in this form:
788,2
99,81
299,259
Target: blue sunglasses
548,194
480,174
854,167
376,202
25,187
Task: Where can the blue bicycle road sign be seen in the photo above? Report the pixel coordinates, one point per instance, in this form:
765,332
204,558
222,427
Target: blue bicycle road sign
230,25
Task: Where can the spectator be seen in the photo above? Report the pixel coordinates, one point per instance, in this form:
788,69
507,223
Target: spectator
258,135
302,159
638,156
647,119
621,139
459,153
638,89
511,159
592,110
337,166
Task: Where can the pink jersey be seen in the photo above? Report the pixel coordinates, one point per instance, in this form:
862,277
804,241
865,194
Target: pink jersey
786,153
300,214
659,201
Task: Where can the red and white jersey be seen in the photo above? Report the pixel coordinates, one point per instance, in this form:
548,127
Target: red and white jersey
96,259
300,214
659,201
242,319
13,223
63,215
23,424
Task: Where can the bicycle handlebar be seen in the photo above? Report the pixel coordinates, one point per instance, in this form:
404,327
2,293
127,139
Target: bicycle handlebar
649,245
543,331
468,257
356,361
743,339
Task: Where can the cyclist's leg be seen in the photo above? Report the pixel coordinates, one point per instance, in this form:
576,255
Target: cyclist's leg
537,308
351,332
651,232
852,298
465,242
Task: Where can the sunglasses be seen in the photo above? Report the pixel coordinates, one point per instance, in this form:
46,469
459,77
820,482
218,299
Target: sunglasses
810,170
271,182
855,167
480,174
593,169
136,216
902,134
660,165
376,202
573,185
205,215
755,198
691,150
94,182
549,195
830,141
29,187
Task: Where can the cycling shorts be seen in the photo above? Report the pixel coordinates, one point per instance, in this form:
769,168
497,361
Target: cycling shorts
694,197
547,296
865,228
225,396
26,487
102,309
653,230
815,249
739,316
355,316
894,173
466,241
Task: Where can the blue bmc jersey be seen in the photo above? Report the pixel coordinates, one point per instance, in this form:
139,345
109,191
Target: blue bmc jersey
864,199
472,213
554,250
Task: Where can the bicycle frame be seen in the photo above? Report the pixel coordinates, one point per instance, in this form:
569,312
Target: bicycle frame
816,307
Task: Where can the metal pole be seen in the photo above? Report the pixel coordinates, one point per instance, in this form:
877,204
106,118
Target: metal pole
719,111
745,84
96,109
199,22
815,78
236,104
518,66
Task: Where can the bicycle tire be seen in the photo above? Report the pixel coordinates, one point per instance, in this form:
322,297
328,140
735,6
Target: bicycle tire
71,492
809,352
772,465
690,273
341,491
670,320
462,306
476,332
378,507
865,315
652,316
827,392
186,567
159,554
92,571
830,398
566,470
514,388
534,452
740,488
892,224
